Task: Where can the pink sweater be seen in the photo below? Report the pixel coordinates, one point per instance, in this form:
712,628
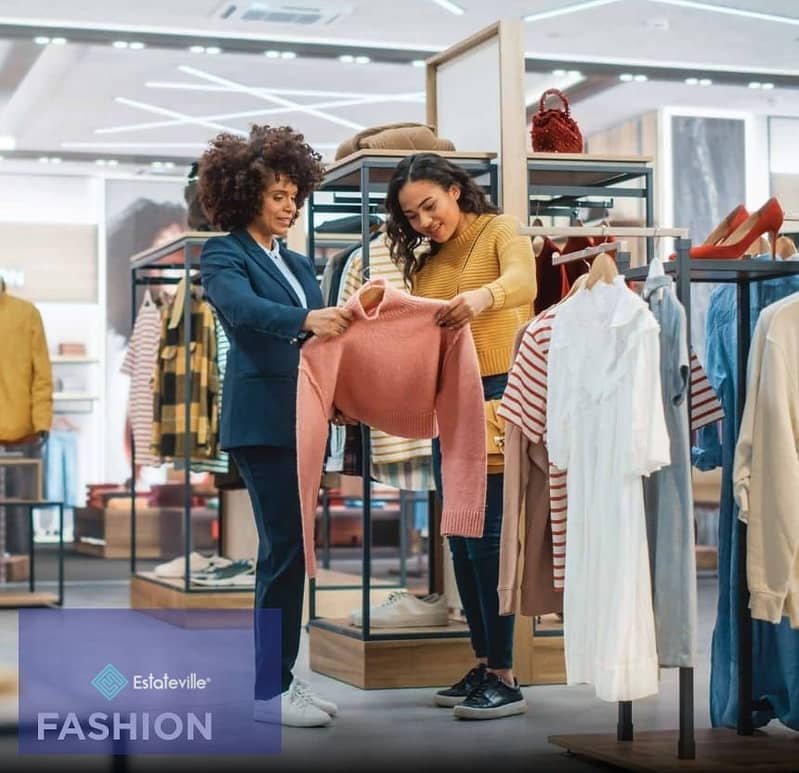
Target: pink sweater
395,369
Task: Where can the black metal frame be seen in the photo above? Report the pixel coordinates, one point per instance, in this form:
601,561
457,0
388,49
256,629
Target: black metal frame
358,176
31,505
146,269
585,178
742,273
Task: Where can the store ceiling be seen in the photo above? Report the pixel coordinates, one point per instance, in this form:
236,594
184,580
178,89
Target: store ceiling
88,98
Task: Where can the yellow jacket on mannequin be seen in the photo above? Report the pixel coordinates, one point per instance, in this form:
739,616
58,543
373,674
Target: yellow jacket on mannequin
26,381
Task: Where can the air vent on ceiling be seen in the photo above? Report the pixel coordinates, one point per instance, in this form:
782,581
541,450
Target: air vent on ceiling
281,13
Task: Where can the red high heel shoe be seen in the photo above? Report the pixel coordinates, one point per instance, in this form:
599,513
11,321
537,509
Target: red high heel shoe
723,229
767,219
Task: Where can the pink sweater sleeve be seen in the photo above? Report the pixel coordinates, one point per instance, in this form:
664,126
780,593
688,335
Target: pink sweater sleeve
461,423
314,403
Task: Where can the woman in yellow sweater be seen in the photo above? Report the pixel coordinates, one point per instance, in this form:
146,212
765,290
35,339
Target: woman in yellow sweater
452,244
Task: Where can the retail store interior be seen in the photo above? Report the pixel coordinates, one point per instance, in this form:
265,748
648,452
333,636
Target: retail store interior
686,112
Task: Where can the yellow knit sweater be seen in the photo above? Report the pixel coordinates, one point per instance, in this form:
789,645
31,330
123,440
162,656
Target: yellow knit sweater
489,253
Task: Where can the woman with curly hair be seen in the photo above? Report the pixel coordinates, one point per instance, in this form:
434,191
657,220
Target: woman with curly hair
452,245
268,300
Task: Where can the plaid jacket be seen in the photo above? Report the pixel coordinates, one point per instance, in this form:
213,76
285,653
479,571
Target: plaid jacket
169,385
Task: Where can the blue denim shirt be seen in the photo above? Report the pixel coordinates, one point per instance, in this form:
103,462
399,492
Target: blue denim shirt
775,667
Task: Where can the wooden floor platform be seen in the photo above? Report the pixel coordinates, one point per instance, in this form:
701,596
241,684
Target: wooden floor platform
717,749
17,599
440,658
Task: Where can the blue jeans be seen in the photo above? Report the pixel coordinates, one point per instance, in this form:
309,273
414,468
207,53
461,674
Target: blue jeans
61,467
476,563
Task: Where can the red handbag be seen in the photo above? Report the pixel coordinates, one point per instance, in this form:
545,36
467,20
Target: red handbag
553,129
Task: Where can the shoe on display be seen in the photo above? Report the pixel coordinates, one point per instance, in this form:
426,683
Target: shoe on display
327,706
235,573
492,699
197,562
404,610
457,694
294,709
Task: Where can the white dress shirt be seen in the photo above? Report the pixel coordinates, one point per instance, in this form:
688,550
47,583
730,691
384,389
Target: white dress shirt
277,259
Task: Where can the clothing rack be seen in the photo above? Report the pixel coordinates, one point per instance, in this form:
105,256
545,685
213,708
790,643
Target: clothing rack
148,268
741,272
686,745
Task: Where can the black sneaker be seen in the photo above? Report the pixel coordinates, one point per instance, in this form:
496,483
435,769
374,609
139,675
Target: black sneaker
456,694
492,699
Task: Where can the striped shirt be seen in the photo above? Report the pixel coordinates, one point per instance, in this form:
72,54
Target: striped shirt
525,405
139,364
705,404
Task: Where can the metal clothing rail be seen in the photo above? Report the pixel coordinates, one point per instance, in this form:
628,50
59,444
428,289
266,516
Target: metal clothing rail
366,175
147,268
573,230
742,273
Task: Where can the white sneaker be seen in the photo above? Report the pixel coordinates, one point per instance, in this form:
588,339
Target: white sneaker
197,562
294,710
327,706
403,610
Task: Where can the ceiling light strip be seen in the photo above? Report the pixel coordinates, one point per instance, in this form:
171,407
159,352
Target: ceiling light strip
741,12
447,5
374,100
568,9
174,114
270,97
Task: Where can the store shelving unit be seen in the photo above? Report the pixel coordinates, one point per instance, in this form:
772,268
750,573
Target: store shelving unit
366,657
561,184
159,266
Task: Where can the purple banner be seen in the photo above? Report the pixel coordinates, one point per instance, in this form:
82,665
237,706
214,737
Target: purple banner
113,681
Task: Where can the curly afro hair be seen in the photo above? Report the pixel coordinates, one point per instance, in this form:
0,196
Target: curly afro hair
234,172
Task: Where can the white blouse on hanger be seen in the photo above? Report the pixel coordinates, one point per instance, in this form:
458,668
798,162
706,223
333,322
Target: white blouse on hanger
605,425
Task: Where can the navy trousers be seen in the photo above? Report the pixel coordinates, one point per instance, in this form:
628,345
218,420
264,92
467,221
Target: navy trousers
270,475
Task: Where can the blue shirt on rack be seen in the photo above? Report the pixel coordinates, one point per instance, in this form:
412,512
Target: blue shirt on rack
775,661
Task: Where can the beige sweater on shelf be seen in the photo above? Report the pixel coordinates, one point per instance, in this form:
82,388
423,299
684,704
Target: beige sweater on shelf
766,471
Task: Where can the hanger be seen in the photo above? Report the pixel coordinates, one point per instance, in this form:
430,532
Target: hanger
588,252
604,268
538,241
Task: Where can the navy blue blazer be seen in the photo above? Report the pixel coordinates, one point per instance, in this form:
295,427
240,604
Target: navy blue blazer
263,319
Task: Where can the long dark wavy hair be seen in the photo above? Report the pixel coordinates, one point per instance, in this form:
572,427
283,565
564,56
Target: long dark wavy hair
403,241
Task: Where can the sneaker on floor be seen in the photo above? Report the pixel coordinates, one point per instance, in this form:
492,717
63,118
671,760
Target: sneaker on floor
294,709
492,699
452,696
403,610
327,706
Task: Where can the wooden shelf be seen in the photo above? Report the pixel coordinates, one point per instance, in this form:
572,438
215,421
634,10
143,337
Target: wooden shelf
717,749
16,599
388,663
73,397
